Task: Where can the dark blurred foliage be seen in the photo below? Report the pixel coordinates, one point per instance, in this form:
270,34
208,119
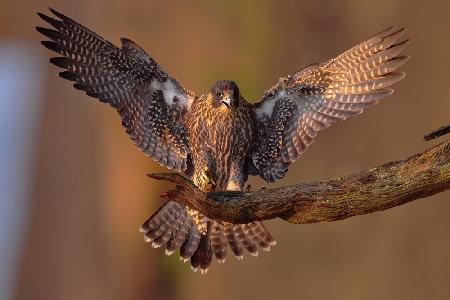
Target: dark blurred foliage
90,191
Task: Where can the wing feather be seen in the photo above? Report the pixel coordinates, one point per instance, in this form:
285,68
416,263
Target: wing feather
291,113
151,104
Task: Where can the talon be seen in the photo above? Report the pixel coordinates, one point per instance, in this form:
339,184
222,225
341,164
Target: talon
206,180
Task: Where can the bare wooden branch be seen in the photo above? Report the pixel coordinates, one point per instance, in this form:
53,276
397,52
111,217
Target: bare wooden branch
437,133
376,189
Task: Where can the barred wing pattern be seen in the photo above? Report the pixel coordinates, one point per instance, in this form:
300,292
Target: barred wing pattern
151,104
291,113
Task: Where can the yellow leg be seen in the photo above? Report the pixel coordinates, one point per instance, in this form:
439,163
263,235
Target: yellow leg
205,181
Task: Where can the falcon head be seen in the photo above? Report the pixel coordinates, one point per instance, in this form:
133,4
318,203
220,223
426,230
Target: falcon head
225,92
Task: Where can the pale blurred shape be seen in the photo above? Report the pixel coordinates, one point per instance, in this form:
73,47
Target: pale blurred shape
20,102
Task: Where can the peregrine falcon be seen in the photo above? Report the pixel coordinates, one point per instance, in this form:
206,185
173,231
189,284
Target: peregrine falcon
218,139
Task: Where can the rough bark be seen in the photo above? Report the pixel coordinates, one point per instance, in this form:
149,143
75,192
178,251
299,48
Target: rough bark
376,189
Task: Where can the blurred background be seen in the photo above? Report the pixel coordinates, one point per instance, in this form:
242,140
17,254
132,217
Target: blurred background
74,191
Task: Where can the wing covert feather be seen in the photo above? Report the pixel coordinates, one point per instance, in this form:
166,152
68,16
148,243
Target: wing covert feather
151,104
292,112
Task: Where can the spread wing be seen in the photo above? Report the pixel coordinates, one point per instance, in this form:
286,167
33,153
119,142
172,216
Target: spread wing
152,105
291,113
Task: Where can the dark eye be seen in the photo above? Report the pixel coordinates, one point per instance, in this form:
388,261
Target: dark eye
219,94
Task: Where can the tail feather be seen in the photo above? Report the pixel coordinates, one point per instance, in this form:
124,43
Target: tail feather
244,239
158,228
218,242
234,243
160,217
174,225
180,234
168,228
203,255
191,243
164,236
254,233
267,235
262,236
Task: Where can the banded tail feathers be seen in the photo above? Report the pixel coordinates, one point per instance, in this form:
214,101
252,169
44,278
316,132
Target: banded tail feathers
173,226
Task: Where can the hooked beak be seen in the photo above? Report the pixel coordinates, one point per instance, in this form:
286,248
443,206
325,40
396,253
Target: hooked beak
226,100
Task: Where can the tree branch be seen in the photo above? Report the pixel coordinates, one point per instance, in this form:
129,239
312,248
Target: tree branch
376,189
437,133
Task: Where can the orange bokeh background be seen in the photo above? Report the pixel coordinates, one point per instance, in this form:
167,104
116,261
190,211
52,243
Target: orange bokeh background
89,192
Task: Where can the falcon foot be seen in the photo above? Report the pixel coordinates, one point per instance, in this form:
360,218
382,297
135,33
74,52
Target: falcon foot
205,181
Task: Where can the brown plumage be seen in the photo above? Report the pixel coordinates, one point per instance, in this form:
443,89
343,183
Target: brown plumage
218,139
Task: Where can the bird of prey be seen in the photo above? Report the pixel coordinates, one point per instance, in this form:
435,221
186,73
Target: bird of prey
218,139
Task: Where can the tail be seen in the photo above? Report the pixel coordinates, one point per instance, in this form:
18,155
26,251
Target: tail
173,225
